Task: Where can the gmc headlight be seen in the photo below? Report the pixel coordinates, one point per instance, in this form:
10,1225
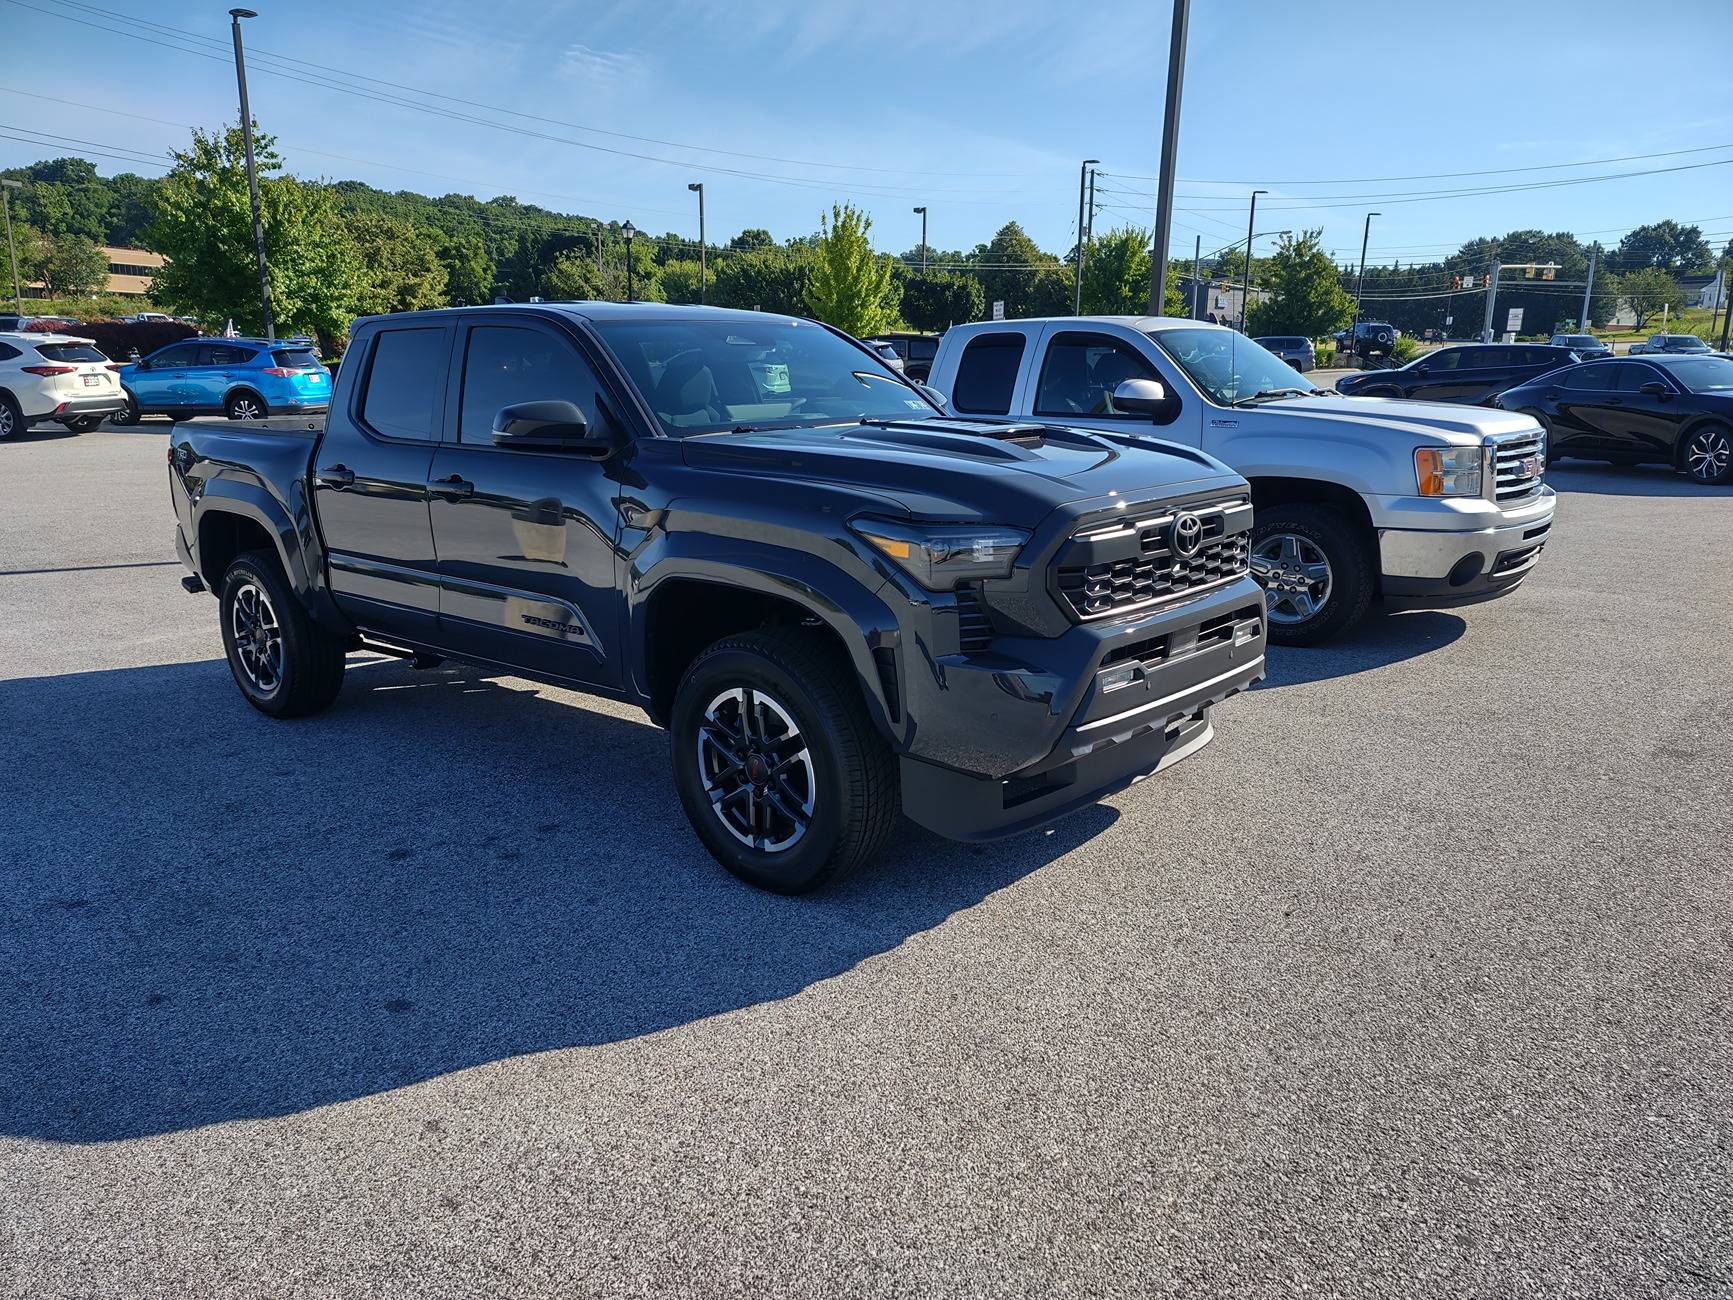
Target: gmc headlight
1448,471
939,556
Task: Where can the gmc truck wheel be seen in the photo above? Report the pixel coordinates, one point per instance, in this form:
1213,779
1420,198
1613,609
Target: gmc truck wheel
285,663
779,768
1316,574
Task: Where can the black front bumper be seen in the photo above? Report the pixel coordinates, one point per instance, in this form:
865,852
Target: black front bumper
1146,704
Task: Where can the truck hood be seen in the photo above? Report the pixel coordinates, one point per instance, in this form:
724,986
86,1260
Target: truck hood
959,469
1425,423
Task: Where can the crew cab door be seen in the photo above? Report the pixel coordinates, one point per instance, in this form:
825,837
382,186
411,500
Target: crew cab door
1077,369
526,539
370,475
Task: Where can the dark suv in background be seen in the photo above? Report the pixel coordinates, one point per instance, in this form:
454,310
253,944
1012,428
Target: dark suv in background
1370,340
1475,373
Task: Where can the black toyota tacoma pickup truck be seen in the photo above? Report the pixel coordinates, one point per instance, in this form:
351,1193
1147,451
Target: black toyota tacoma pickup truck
839,602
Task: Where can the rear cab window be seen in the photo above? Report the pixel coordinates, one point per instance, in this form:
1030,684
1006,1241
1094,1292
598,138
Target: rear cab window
65,352
404,378
987,373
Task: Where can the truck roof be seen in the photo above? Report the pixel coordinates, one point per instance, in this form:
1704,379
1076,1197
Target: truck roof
600,311
1144,323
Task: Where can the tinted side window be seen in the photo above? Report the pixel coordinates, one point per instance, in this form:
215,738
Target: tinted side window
403,382
987,374
1634,374
1587,379
1082,370
923,349
7,352
505,364
67,352
223,354
183,354
1443,359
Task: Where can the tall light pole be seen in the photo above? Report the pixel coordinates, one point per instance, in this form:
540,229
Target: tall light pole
1082,181
235,16
6,188
1360,284
1196,274
697,187
1246,292
628,230
1589,288
1169,160
923,215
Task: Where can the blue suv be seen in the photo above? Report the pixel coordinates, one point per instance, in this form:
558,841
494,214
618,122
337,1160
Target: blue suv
244,379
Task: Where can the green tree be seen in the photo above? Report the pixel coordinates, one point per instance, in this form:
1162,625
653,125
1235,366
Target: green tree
130,208
469,270
573,277
204,228
769,279
751,240
679,280
1681,250
1306,296
936,301
851,286
1013,270
70,265
399,265
1648,290
1116,276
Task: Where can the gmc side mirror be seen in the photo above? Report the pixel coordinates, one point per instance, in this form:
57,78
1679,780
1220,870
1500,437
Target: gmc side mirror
554,425
1141,397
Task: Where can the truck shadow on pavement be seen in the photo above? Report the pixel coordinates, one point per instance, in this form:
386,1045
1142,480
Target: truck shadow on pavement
1384,637
206,915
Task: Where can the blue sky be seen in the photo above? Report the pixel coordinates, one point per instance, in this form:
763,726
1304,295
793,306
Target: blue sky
980,111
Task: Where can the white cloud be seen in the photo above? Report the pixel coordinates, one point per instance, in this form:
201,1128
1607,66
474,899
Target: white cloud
582,64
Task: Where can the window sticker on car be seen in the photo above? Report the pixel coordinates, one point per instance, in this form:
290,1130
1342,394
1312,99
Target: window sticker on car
914,404
772,376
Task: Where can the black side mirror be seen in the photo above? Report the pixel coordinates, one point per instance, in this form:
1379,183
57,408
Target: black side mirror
1655,388
1142,397
1423,369
554,425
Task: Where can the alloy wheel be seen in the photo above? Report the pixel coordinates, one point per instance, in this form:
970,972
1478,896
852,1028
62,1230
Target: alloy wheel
244,408
258,638
7,424
1707,455
757,769
1295,575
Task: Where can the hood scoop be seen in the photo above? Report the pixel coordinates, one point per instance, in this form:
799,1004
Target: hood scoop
993,441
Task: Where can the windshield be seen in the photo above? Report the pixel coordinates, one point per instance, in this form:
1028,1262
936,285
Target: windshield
1703,374
704,376
1230,367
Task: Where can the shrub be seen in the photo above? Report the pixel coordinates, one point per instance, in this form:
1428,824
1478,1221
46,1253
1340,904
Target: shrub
1405,349
1325,354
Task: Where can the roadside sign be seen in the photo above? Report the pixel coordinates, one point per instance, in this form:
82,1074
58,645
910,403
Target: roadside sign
998,309
1450,320
1514,324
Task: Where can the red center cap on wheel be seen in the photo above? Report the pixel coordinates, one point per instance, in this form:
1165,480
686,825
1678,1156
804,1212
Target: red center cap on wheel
755,768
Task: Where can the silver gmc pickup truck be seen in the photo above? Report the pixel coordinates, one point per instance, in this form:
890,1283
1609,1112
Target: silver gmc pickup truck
1415,503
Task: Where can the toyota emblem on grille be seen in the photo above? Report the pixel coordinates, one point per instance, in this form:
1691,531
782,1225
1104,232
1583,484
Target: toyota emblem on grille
1186,535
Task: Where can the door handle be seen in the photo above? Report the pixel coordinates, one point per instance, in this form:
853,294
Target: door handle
334,476
453,487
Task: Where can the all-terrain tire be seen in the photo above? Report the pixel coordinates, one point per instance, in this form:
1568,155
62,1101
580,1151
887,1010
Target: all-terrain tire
849,770
292,670
1349,560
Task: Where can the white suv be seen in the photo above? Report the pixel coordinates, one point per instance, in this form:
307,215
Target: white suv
47,377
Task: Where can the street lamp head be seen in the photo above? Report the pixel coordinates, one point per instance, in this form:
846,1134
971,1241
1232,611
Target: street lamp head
242,13
920,211
1090,162
697,187
628,230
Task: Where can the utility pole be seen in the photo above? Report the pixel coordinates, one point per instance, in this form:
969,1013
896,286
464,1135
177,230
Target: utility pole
1196,274
1727,317
628,230
1082,179
698,188
235,16
1246,292
1491,299
1360,284
922,210
6,188
1169,158
1089,222
1588,288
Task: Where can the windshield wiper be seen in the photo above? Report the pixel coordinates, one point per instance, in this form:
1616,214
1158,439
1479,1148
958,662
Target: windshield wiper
1267,394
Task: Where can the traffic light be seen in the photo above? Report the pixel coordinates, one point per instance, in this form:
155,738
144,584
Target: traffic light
1456,282
1549,272
1528,271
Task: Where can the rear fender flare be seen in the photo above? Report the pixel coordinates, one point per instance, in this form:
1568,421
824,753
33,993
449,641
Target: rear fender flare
295,542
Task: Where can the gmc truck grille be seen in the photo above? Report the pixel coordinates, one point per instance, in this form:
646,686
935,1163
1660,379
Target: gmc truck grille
1517,465
1126,584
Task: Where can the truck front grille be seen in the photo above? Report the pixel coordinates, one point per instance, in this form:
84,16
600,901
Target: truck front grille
1517,465
1122,564
974,631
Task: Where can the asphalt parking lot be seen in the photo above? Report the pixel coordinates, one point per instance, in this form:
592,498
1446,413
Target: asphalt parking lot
1413,983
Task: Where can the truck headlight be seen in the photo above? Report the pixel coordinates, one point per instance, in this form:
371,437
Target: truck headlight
939,556
1448,471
